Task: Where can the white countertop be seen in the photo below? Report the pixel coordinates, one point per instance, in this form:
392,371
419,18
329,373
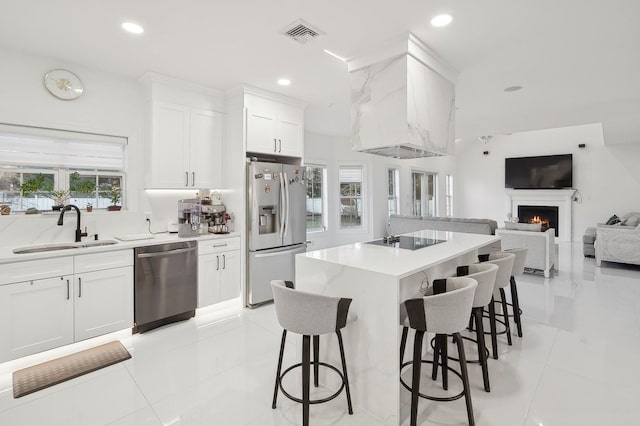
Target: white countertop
7,255
402,262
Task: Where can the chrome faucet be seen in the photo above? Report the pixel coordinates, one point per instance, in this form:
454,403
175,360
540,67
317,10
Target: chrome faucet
79,233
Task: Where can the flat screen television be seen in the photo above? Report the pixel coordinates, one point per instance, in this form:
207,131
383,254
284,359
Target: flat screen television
543,172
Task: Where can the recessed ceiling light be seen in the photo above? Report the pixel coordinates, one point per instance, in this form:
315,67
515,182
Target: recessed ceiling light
512,88
284,82
132,27
334,55
441,20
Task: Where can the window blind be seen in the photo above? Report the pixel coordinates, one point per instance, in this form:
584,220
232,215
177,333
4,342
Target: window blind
37,147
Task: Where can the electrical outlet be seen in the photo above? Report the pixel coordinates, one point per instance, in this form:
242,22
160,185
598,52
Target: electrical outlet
147,215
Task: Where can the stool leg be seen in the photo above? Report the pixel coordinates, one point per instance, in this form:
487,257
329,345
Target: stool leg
306,370
415,383
492,324
505,315
403,344
482,354
444,357
344,371
465,378
436,353
471,318
516,306
275,391
316,358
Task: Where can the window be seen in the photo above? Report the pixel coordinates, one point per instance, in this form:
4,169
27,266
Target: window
392,191
448,189
40,168
350,196
424,193
316,177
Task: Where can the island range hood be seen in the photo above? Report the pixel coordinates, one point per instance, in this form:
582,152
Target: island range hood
402,102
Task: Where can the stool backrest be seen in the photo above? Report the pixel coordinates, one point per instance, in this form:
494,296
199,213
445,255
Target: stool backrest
308,313
443,313
485,274
520,260
505,266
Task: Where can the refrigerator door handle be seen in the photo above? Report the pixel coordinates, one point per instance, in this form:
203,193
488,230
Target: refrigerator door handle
282,206
286,197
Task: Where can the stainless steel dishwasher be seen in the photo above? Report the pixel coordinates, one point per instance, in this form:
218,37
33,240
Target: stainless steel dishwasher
166,284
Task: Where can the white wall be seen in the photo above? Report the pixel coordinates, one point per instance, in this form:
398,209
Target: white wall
606,176
109,105
334,151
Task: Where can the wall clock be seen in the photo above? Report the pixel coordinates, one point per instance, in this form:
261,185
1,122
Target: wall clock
63,84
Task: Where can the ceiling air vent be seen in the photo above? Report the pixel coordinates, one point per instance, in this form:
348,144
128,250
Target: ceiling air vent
301,31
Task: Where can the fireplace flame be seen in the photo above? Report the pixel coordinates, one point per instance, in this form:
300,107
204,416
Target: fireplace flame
538,219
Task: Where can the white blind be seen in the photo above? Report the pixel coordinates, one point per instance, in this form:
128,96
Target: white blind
350,174
35,147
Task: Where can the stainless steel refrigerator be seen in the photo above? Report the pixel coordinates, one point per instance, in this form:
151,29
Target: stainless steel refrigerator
276,226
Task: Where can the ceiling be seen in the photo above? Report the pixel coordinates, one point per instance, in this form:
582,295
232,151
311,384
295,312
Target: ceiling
578,60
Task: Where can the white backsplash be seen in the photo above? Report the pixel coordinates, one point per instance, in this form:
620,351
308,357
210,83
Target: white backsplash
22,230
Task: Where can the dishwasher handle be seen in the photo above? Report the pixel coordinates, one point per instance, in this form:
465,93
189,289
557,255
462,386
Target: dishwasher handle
166,253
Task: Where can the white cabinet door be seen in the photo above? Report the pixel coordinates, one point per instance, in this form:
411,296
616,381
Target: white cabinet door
169,148
261,132
35,316
290,137
209,267
205,170
103,302
230,275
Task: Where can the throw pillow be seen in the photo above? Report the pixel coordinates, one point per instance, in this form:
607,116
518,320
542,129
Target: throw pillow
533,227
631,219
613,220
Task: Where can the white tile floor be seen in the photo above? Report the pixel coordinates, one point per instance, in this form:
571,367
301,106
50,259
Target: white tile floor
576,365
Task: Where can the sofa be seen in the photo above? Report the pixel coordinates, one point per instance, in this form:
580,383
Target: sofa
617,243
401,224
541,248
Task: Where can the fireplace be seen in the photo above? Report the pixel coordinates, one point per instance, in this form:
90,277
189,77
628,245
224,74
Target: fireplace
546,215
560,198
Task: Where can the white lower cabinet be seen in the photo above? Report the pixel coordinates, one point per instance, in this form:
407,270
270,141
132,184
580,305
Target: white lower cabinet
218,271
103,302
35,316
230,275
42,314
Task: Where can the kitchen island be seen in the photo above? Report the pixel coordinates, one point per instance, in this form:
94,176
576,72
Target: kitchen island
379,278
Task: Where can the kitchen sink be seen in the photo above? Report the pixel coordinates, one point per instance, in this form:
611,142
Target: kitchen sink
62,246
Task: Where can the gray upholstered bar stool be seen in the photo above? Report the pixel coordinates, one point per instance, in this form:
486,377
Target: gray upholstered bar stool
309,314
503,279
444,310
518,269
485,275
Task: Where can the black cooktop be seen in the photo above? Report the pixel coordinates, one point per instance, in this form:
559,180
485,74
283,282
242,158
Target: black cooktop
403,242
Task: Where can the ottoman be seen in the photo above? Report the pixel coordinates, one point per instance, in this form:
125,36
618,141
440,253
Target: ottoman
588,239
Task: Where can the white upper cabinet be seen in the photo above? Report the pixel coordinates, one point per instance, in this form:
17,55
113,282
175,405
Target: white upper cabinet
273,127
184,130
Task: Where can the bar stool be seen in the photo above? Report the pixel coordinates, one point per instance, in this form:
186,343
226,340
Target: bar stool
444,309
309,314
503,279
518,269
485,275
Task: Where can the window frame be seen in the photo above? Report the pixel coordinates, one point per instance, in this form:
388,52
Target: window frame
363,197
424,203
396,189
323,199
448,194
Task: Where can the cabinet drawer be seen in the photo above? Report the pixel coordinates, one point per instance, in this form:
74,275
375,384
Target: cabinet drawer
35,269
219,245
100,261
